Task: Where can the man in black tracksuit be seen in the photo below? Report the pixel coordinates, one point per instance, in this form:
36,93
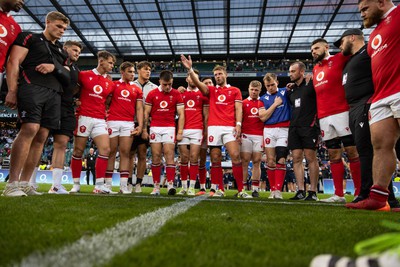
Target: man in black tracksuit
303,130
359,88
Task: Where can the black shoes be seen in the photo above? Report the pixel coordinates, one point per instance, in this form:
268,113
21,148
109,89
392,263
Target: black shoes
300,195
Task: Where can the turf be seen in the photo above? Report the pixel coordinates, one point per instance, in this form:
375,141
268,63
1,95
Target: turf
218,232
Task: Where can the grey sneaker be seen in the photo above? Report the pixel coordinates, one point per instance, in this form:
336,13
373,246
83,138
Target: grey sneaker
30,191
13,191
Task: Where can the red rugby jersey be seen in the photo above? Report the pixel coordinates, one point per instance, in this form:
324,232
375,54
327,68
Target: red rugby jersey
222,105
163,107
251,121
328,86
123,102
383,48
94,91
9,30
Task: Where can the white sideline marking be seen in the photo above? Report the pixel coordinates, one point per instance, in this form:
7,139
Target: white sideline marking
102,247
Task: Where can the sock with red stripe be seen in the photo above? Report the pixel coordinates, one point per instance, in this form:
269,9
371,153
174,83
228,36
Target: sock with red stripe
184,174
124,174
355,169
101,166
216,175
202,176
76,167
255,184
280,172
156,172
170,169
337,169
271,177
237,170
379,193
108,177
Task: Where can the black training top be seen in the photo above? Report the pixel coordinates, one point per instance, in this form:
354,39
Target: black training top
38,54
357,78
304,105
67,99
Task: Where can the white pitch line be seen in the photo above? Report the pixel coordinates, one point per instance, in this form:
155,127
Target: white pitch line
101,248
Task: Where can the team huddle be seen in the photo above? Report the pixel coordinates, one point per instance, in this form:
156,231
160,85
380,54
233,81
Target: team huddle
351,102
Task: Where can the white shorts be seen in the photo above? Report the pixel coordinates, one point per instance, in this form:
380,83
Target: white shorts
120,128
220,135
385,108
90,127
252,143
274,137
335,126
191,137
162,135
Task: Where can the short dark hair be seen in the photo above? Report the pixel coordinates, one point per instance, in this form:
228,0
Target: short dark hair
206,78
300,64
72,42
166,75
319,40
126,64
143,64
105,55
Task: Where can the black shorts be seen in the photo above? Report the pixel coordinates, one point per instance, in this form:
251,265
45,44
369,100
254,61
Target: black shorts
290,177
303,137
37,104
138,140
68,123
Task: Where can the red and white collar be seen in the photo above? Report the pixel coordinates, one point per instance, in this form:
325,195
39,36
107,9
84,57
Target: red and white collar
161,90
226,86
192,90
249,98
122,81
98,73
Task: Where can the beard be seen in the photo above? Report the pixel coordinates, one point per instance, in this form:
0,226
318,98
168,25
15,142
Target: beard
374,18
319,58
347,50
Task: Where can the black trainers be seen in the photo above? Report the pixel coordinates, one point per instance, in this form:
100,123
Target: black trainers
255,194
300,195
172,191
312,196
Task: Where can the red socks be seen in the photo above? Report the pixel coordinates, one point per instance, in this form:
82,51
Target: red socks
202,174
237,170
379,193
337,170
156,171
271,177
101,166
184,171
170,169
216,175
355,169
76,166
193,171
280,173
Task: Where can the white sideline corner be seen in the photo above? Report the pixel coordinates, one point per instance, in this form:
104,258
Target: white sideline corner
102,247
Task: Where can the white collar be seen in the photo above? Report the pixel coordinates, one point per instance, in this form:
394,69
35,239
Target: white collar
161,90
122,81
227,86
387,13
98,73
249,98
192,90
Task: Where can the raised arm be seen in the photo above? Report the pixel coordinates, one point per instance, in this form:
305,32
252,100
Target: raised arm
187,62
